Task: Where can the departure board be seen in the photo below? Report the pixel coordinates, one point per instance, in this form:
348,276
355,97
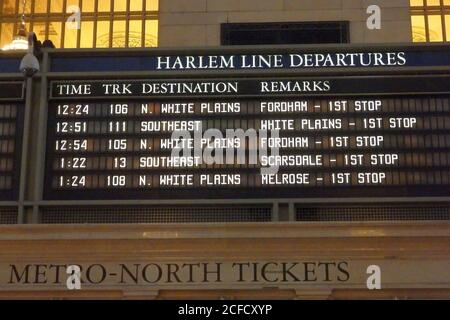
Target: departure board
249,138
11,126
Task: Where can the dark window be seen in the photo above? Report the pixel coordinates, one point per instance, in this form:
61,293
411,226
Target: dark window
285,33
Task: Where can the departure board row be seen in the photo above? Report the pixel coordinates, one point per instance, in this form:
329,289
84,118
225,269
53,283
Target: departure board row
312,161
252,107
249,148
165,143
119,127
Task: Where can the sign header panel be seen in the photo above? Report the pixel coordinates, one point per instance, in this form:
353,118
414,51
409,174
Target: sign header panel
233,87
12,91
251,59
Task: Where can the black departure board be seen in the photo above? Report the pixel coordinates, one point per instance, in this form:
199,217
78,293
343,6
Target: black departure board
249,138
11,126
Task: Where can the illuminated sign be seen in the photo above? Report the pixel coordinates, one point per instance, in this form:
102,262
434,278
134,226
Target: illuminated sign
267,59
364,136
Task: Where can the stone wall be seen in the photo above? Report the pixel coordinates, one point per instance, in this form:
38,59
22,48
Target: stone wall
190,23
